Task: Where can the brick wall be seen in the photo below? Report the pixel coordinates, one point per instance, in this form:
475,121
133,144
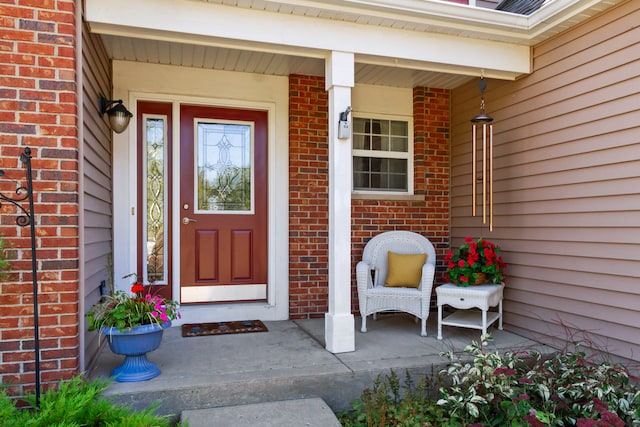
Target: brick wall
428,216
38,109
308,197
308,172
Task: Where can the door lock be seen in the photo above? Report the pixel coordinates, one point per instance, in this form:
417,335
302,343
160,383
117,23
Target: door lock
186,220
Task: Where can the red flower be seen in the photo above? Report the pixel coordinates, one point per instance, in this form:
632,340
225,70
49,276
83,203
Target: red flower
533,420
137,288
505,371
599,405
473,257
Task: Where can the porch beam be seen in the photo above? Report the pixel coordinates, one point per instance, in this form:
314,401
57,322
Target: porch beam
339,322
202,23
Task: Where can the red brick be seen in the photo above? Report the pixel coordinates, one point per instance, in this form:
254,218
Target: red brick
9,368
37,72
37,95
61,375
17,356
36,49
308,171
59,354
65,331
17,35
17,12
68,52
17,82
56,16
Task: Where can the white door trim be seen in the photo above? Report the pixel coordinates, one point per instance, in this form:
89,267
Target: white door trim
124,152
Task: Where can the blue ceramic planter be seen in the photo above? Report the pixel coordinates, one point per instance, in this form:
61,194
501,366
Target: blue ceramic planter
134,344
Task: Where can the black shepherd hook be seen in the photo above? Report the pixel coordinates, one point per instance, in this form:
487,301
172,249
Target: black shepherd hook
26,218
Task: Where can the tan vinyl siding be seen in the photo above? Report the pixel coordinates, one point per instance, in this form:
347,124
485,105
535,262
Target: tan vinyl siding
97,178
567,183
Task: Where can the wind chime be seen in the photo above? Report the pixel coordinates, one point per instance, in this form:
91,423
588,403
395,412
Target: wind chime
481,127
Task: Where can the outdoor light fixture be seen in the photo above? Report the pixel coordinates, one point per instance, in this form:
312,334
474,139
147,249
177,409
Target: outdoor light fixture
481,126
118,114
344,130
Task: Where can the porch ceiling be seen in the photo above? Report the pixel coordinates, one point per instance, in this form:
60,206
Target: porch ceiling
220,58
403,43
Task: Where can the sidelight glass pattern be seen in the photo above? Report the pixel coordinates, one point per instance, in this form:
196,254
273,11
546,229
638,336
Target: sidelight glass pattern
224,175
156,165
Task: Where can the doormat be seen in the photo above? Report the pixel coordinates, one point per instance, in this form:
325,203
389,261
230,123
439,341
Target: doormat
222,328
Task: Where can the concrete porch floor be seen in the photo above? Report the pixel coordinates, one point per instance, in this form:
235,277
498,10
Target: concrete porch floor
290,362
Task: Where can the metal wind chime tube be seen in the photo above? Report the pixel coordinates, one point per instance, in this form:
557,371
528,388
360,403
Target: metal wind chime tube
482,123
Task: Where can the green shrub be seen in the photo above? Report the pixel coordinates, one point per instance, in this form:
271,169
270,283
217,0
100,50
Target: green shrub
5,266
513,389
390,403
76,403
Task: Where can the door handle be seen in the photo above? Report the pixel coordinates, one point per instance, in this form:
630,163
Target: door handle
186,220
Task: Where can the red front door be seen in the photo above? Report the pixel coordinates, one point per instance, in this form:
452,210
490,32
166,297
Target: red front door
223,204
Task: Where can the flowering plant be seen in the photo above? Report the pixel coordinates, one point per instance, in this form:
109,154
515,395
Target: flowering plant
472,258
125,311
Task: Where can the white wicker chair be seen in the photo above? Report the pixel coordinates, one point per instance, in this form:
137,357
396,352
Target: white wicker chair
371,273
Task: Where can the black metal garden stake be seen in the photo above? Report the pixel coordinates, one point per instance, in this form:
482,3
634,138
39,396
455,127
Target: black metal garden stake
24,219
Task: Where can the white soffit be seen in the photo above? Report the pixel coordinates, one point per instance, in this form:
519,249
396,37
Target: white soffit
405,35
441,16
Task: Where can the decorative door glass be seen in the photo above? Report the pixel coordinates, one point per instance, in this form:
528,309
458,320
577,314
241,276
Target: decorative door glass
155,147
224,172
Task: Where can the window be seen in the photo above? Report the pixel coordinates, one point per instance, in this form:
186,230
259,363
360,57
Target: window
224,167
156,198
382,155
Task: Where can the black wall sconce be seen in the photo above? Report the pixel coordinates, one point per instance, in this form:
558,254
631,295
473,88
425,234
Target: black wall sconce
118,114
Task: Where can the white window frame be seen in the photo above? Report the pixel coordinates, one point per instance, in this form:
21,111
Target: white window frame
408,155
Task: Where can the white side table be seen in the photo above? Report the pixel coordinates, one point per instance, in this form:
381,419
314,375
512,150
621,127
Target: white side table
463,298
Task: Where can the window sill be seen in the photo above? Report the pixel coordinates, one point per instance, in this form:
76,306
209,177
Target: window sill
398,197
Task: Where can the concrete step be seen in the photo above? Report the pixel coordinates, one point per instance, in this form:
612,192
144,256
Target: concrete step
313,412
287,363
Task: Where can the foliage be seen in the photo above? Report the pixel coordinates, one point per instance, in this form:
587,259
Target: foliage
472,258
5,266
76,403
391,403
124,311
514,389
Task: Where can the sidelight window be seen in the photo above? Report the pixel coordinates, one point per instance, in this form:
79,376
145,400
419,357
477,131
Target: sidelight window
155,198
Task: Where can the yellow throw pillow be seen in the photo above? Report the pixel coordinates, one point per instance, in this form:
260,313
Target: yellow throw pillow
404,270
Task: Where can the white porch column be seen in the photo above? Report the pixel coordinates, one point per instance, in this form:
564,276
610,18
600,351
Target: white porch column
339,327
